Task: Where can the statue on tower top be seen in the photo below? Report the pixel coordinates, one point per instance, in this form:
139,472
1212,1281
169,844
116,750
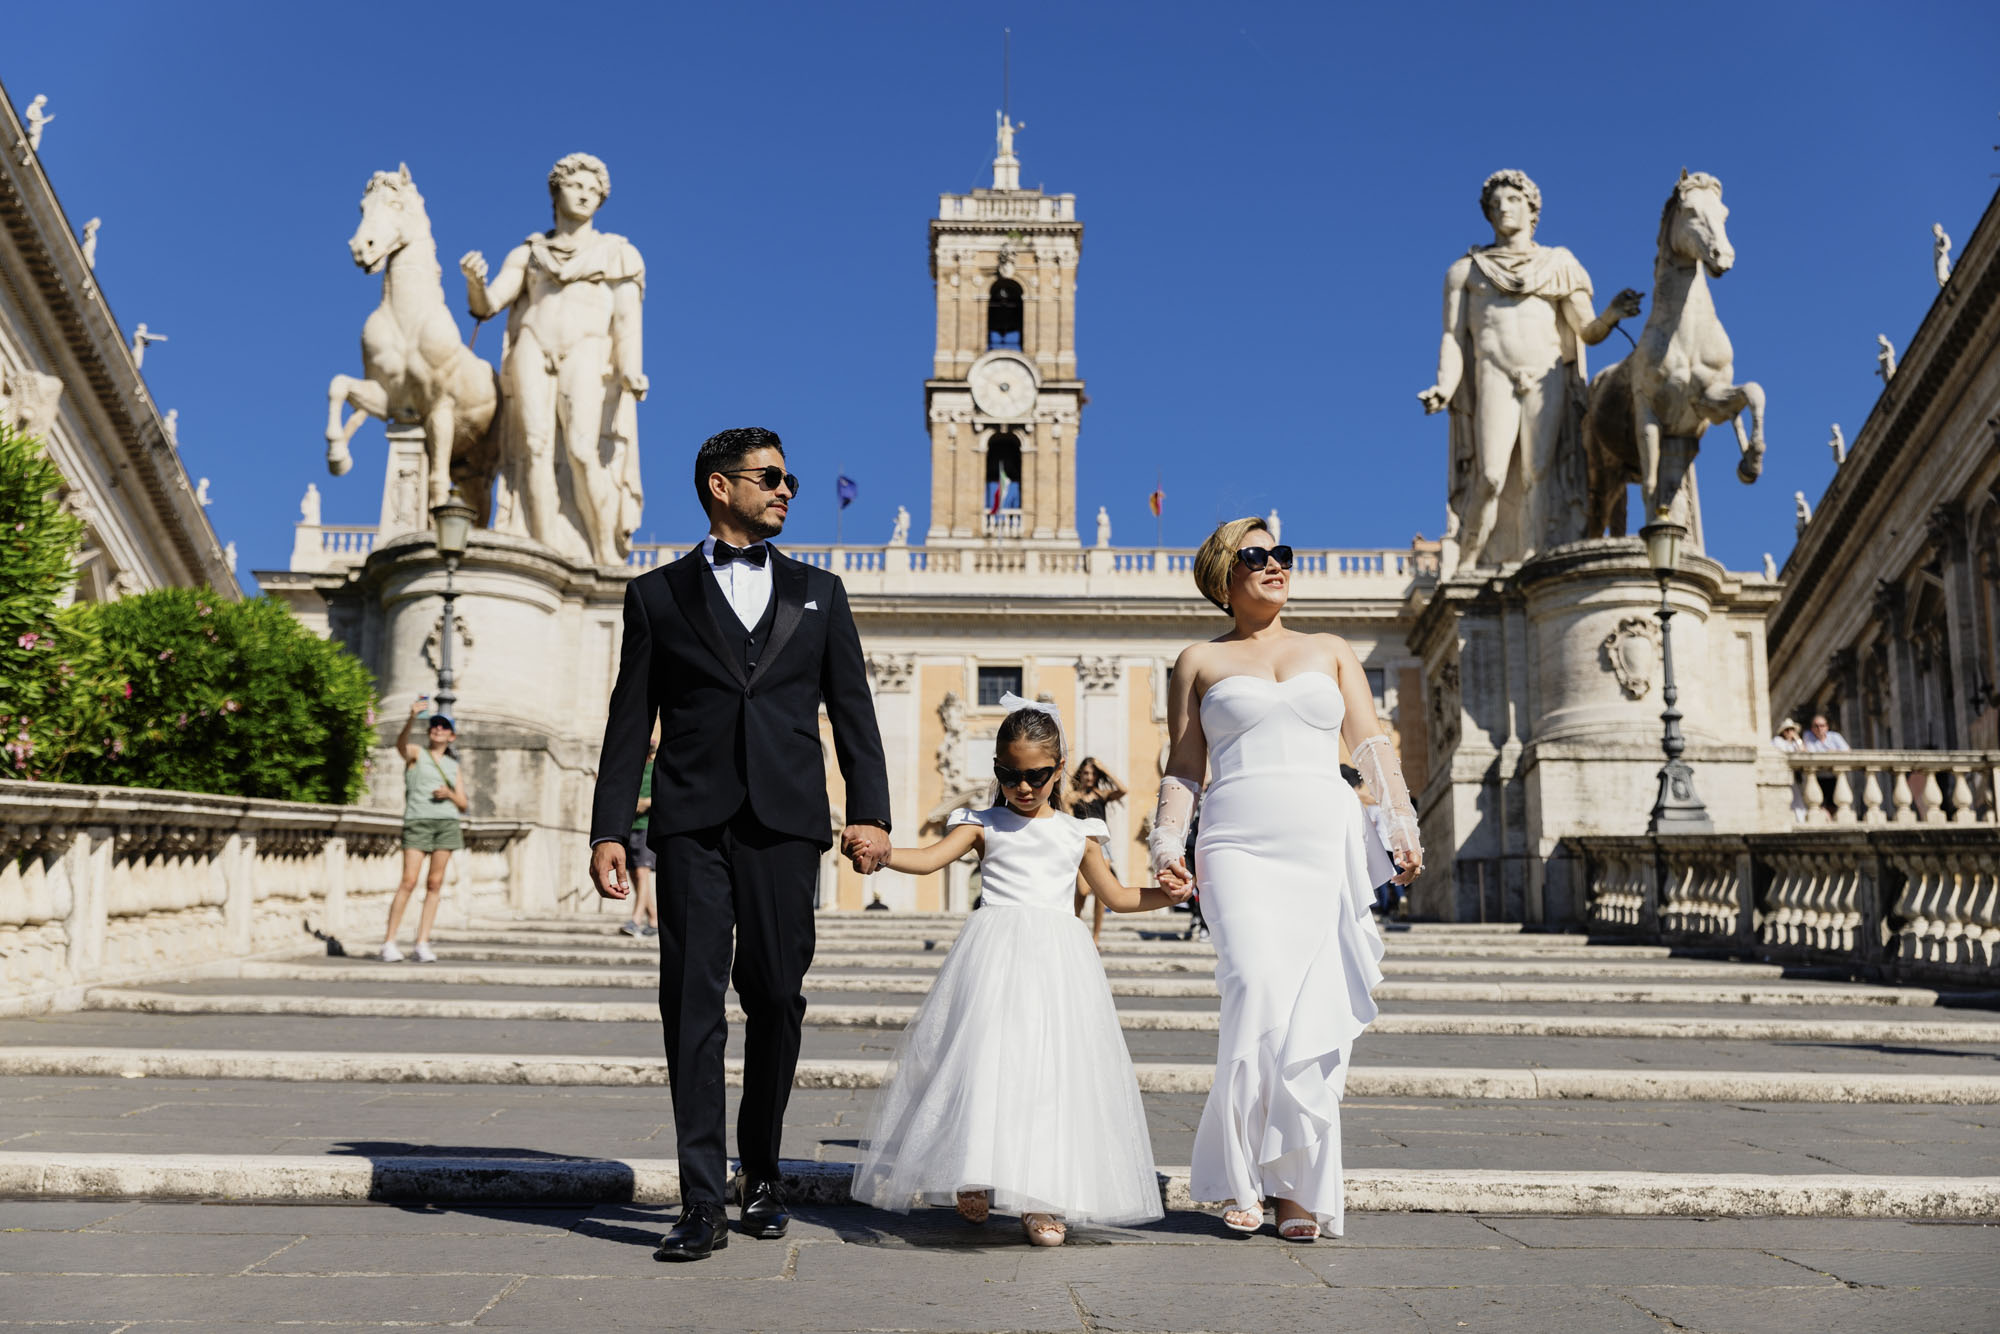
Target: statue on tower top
1006,167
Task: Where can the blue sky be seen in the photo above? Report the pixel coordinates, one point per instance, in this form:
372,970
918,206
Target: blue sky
1271,194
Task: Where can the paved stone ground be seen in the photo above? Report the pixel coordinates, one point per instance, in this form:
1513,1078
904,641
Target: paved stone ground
133,1265
128,1268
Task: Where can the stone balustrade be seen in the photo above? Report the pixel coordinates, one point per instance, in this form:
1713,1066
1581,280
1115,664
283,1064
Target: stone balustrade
105,884
991,571
1916,902
1082,571
1900,787
320,547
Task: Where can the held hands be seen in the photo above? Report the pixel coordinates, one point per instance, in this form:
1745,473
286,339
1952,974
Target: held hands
607,870
1176,882
866,845
1409,864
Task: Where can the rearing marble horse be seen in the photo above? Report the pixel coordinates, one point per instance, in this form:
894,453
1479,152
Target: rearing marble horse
416,369
1647,414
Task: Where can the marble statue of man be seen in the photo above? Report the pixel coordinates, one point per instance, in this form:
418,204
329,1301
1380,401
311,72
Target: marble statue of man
1802,512
1941,253
1770,567
171,425
143,338
570,371
1275,526
1885,357
1103,526
900,534
1838,444
201,493
1517,316
309,506
90,242
38,120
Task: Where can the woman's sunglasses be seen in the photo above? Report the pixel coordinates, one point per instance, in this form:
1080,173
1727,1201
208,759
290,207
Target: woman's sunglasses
1256,558
768,478
1010,776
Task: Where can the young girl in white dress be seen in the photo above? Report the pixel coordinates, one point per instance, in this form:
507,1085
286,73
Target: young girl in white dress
1012,1088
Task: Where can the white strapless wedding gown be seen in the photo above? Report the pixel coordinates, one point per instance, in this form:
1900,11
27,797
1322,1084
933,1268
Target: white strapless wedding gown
1282,866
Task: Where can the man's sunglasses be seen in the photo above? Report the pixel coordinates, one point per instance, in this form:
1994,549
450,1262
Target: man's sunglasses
1010,776
1256,558
768,478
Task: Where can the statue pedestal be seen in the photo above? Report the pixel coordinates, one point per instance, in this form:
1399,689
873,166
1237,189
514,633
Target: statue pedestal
534,657
1544,721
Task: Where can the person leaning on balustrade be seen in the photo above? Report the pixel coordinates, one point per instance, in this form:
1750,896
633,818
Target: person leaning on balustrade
1820,738
1788,741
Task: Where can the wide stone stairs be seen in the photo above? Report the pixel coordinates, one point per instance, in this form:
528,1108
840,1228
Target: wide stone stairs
1509,1071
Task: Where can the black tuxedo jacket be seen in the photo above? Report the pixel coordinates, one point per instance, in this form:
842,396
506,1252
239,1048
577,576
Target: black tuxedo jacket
730,735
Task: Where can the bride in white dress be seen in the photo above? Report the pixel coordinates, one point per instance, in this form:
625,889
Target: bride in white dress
1282,868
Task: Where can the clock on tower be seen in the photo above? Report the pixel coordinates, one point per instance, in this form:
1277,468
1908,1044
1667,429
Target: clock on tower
1003,400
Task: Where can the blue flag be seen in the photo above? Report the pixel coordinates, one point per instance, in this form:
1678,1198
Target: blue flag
845,488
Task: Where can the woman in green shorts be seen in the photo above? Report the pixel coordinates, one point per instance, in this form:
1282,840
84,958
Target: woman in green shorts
433,802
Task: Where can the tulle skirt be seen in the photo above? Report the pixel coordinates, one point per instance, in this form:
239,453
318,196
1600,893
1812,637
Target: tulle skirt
1014,1077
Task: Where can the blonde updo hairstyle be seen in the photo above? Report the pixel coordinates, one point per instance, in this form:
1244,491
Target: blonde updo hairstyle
1217,558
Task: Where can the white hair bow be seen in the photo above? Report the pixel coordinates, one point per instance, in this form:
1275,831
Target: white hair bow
1011,702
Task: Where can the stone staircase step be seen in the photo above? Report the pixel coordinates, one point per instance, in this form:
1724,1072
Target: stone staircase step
1502,992
565,1070
829,960
142,1001
459,1179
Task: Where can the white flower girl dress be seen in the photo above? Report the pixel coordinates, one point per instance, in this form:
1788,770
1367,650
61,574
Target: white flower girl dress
1014,1076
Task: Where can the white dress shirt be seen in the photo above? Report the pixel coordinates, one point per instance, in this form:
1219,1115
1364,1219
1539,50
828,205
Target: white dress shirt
1831,741
747,586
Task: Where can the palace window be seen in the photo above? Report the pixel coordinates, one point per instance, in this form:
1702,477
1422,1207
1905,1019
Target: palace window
1003,314
995,682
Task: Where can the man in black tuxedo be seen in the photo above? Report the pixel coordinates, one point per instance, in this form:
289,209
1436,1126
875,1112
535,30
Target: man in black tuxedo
734,647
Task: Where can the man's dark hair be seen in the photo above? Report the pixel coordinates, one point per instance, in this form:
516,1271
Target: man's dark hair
725,451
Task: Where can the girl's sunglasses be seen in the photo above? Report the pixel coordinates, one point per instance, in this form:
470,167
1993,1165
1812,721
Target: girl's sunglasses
1256,558
1010,776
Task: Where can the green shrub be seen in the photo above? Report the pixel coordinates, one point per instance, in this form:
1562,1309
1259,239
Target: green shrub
176,688
180,689
38,543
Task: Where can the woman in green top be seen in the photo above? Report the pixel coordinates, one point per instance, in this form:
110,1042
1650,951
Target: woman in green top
433,801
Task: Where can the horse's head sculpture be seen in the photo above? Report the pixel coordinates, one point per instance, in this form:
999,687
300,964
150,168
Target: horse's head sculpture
1692,229
392,216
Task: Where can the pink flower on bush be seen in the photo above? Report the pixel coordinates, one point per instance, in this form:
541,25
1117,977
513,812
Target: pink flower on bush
183,722
128,690
230,706
29,640
166,655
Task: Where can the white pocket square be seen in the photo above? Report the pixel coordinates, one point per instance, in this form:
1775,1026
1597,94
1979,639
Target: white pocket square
812,606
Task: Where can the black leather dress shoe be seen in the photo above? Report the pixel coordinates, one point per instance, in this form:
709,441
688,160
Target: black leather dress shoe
764,1215
703,1228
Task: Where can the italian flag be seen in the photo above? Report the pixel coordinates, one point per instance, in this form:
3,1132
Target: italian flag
1000,490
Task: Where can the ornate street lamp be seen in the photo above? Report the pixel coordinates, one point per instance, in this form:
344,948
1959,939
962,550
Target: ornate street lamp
452,522
1677,810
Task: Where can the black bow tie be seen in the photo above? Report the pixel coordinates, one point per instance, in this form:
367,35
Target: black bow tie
752,555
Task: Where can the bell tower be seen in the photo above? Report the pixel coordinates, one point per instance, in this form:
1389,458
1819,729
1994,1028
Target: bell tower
1003,400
